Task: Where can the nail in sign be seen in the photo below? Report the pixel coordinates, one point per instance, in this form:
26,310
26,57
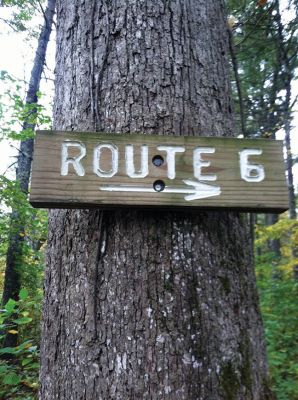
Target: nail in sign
72,169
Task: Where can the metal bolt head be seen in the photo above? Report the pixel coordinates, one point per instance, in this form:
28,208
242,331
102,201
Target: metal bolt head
159,186
157,160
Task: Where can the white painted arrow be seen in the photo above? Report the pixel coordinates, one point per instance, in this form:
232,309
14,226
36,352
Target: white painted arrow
198,191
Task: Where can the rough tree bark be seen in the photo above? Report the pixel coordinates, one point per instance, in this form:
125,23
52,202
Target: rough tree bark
142,304
12,283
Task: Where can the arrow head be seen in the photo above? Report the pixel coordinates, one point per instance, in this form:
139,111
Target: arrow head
201,190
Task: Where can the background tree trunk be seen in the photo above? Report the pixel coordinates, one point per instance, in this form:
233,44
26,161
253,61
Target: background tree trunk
273,244
14,256
143,304
287,78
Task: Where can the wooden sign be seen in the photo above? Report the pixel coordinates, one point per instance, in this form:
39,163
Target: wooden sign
76,170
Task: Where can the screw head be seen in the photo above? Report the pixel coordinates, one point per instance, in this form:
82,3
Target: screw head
157,160
159,186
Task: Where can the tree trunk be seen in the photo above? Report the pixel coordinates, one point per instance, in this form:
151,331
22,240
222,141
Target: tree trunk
273,244
143,304
287,80
12,280
234,61
287,77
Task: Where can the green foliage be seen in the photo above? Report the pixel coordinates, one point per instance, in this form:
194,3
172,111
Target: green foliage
266,51
286,231
265,48
22,12
11,196
19,375
19,364
34,222
17,117
279,305
14,115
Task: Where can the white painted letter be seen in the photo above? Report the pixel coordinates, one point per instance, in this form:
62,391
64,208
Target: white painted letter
74,161
129,162
251,172
198,163
171,152
114,160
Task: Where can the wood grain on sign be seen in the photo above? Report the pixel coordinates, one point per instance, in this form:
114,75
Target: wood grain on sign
76,170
